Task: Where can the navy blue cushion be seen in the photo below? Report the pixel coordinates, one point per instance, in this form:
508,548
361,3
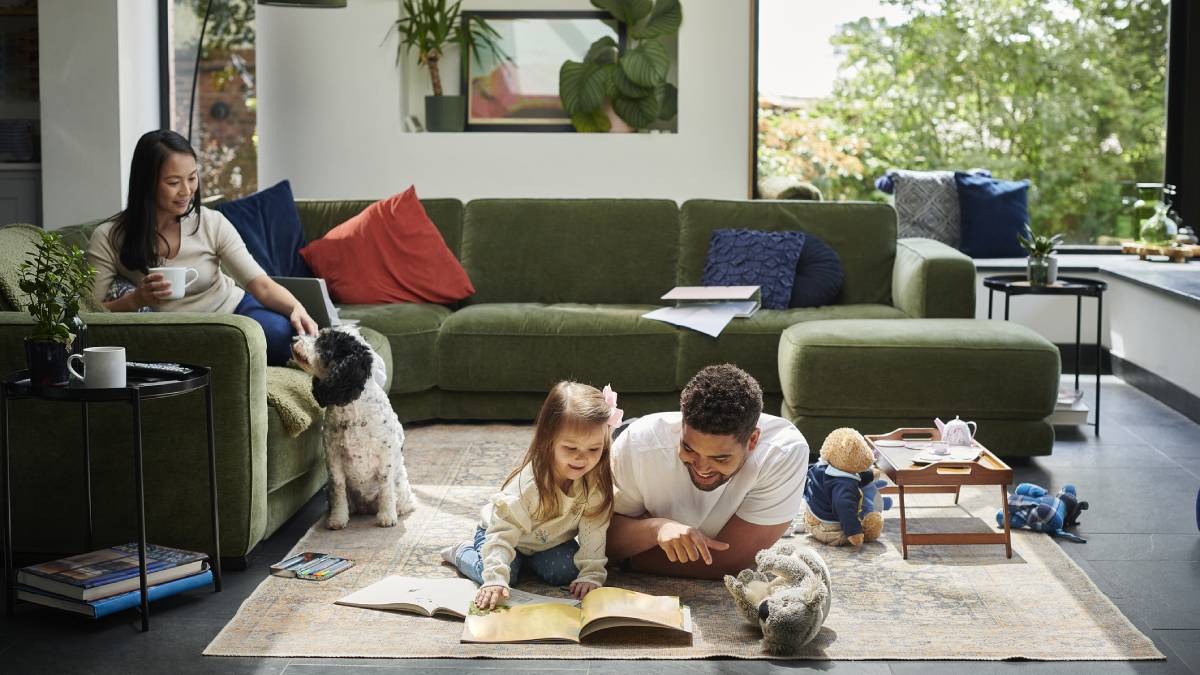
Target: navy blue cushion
819,275
994,212
738,257
270,225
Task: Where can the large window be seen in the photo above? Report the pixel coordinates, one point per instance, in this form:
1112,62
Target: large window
1066,93
223,121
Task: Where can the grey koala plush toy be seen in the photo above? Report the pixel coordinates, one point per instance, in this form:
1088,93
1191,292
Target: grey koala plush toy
788,596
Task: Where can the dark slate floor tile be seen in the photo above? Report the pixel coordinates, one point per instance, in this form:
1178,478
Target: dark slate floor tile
1185,644
1165,594
724,666
1047,668
1106,455
1129,547
1182,438
1114,507
447,667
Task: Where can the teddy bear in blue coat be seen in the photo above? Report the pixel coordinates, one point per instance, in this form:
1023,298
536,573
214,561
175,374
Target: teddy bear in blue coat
1033,507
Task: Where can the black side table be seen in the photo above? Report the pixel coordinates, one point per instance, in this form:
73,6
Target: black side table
138,388
1017,284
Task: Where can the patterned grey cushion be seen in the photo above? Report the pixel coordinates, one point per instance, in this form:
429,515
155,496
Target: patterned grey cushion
927,206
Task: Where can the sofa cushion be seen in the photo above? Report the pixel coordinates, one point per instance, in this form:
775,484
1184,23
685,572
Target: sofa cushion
739,257
864,236
319,216
819,275
994,213
753,343
918,367
411,331
529,347
270,227
610,251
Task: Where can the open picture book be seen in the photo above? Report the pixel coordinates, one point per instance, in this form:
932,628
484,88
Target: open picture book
601,609
451,597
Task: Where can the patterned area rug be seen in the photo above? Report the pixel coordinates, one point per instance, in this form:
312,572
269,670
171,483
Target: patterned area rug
944,602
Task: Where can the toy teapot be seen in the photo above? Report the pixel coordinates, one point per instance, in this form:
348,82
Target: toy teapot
956,431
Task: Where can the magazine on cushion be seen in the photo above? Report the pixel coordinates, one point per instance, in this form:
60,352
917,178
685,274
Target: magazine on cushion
602,609
110,571
116,603
427,597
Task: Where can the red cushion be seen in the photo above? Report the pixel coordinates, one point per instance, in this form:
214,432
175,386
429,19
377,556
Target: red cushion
389,253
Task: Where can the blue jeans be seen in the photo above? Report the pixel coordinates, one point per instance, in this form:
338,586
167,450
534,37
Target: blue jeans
276,326
555,566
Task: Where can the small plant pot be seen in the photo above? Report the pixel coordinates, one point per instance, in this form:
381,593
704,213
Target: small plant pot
1042,271
47,362
445,113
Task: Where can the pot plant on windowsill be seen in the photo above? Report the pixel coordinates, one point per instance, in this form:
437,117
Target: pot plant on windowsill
53,278
610,90
1042,267
429,26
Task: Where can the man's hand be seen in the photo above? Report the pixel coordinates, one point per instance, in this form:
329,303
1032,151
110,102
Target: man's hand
582,588
687,544
489,596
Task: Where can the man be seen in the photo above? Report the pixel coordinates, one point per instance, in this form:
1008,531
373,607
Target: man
701,491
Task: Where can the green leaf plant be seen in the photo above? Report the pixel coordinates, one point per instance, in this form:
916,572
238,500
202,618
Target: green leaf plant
1038,245
633,82
429,26
53,278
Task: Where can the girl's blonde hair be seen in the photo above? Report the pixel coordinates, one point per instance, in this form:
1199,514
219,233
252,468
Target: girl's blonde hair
569,405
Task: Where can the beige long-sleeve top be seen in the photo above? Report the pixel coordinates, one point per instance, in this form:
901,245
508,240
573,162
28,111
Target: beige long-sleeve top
206,248
510,528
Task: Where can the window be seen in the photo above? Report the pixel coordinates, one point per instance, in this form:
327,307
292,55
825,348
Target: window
1066,93
224,121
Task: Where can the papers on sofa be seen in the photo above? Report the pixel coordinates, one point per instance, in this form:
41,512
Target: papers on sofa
428,597
601,609
709,319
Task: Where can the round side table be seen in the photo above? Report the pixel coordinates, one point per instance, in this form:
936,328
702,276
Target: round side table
1080,288
138,388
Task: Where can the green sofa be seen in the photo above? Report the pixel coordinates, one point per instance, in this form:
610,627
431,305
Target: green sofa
560,287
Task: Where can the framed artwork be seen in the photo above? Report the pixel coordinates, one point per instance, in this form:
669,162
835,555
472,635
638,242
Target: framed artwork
519,91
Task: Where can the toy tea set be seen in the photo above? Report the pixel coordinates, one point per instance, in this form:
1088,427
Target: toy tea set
955,443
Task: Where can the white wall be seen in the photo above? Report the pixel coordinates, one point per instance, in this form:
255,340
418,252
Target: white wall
330,99
98,62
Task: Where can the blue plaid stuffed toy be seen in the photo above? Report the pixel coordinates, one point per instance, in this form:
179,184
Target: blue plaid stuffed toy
1033,507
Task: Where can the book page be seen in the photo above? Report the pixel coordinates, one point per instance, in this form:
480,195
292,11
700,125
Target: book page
607,607
543,622
454,596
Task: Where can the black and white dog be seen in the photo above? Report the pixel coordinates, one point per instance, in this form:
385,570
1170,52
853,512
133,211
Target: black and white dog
363,437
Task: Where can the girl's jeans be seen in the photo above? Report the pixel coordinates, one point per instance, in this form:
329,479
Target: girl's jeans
555,566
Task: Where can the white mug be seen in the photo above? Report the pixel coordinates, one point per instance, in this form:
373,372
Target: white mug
178,278
103,367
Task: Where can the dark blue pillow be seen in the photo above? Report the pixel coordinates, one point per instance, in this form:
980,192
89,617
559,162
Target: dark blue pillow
739,257
270,225
819,275
994,212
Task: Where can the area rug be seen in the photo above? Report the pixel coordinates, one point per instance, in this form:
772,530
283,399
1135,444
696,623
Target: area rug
944,602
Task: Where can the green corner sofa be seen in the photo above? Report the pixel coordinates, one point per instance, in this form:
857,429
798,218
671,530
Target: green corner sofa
560,287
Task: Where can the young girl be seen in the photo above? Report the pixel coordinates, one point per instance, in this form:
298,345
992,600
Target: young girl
562,489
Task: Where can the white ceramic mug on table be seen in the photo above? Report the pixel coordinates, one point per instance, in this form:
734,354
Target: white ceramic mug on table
103,367
178,278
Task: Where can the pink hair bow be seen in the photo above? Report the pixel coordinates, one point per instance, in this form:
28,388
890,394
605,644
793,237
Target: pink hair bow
610,397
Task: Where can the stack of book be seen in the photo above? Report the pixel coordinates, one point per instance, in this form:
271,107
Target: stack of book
99,583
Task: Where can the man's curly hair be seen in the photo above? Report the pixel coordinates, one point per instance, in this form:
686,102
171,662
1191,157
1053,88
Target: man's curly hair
722,400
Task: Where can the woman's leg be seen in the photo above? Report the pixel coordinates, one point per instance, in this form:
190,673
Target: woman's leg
470,561
275,326
556,566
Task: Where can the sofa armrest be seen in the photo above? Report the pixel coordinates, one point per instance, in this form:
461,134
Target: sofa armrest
46,438
932,280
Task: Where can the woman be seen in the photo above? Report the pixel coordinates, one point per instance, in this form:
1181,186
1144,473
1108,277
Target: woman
163,224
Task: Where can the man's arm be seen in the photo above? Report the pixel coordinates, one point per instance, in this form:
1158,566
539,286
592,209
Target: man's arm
628,536
745,541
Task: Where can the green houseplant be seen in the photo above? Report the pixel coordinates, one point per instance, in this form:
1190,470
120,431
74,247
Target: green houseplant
429,26
1042,267
633,84
53,278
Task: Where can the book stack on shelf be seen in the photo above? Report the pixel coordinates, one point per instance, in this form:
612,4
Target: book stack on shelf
99,583
1070,408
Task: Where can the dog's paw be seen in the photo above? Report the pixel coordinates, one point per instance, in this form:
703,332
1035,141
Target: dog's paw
337,522
385,519
406,507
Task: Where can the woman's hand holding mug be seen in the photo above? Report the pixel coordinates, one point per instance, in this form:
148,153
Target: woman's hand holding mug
152,290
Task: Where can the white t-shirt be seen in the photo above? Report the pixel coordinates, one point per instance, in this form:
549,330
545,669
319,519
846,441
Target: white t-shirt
650,478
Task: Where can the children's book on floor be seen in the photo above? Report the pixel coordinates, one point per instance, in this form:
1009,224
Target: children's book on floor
110,571
600,610
451,597
311,566
105,606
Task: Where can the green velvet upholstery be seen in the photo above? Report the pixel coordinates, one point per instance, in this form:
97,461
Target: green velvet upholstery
933,280
318,216
600,251
752,344
863,234
412,332
918,369
515,347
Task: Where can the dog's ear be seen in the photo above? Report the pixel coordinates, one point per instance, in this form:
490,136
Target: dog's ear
349,367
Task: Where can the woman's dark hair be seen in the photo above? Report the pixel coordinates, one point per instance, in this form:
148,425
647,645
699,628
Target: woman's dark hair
722,400
135,233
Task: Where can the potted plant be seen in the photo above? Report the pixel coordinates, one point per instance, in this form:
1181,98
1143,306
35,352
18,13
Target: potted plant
53,277
609,88
429,26
1042,267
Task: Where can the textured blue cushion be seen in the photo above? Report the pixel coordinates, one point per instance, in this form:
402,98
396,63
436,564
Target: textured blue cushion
738,257
994,212
819,275
270,225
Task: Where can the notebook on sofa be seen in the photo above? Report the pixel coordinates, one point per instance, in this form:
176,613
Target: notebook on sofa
314,295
